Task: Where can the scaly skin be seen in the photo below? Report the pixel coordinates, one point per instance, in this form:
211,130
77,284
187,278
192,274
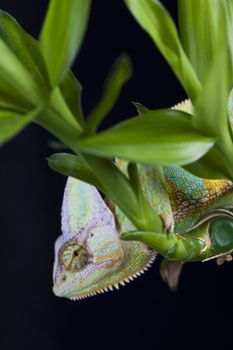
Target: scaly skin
103,261
91,258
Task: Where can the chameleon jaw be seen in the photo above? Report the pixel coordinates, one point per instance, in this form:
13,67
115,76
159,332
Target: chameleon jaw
116,285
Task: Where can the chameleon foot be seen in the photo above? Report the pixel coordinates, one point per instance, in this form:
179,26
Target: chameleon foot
168,223
220,260
170,272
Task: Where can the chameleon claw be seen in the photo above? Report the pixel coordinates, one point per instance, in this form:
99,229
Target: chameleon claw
229,258
168,223
170,272
221,259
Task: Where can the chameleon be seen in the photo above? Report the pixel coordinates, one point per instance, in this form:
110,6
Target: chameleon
91,257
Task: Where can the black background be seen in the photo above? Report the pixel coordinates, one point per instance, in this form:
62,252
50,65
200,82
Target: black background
144,314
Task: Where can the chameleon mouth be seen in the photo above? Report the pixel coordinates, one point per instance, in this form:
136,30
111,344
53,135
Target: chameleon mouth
116,285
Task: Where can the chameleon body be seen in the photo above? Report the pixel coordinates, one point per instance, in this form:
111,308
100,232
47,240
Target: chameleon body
91,258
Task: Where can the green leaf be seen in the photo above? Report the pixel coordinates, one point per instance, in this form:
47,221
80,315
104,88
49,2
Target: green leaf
156,21
22,68
198,22
62,35
140,108
210,166
230,107
12,123
228,19
206,38
59,103
160,137
60,127
199,26
13,72
150,216
117,187
75,166
13,100
57,146
24,46
118,76
210,109
71,90
132,171
104,175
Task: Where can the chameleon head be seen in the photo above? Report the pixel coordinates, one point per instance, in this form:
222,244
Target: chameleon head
89,256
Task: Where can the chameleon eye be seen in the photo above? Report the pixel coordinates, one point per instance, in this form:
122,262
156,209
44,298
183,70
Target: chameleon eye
73,256
221,233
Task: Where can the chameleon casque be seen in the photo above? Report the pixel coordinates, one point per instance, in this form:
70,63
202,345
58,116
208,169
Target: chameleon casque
91,258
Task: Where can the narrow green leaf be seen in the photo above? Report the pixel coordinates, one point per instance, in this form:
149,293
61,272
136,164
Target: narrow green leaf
12,71
140,108
160,137
71,90
156,21
210,108
24,46
57,146
206,30
21,64
150,216
230,107
210,166
12,99
198,22
62,35
54,122
132,171
199,26
117,187
228,19
59,103
75,166
118,76
12,123
104,175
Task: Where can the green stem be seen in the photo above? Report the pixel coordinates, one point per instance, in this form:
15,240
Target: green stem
172,246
